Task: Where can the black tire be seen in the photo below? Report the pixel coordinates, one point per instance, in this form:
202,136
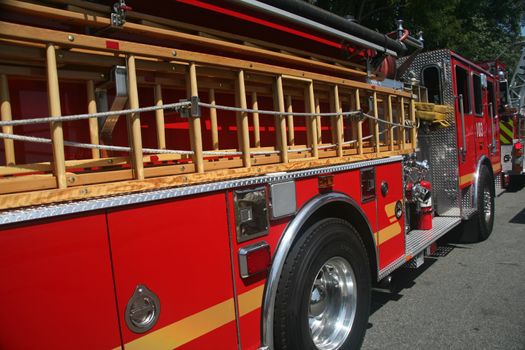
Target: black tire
324,240
485,204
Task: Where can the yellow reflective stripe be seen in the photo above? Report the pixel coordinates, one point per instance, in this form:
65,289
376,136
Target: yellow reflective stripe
504,140
390,209
250,300
198,324
507,129
466,178
388,232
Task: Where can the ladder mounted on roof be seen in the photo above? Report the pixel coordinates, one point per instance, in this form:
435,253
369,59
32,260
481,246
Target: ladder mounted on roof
284,119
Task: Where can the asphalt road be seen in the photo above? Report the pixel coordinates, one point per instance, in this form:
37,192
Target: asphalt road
472,296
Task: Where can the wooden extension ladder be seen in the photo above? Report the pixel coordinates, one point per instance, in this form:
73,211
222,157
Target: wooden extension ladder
31,53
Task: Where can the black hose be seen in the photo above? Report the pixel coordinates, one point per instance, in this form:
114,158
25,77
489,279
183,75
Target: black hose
319,15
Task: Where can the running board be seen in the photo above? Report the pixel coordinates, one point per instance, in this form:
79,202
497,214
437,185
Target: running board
418,240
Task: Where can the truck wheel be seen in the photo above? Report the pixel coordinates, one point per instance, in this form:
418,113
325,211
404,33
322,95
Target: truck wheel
485,204
323,296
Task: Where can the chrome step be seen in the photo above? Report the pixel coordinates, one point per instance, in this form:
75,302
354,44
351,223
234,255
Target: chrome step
417,240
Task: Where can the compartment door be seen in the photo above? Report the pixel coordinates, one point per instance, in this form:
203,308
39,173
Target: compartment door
390,236
173,258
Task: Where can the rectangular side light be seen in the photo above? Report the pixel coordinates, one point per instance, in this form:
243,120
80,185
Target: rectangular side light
254,259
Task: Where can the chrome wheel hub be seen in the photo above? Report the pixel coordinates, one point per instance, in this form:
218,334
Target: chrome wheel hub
333,303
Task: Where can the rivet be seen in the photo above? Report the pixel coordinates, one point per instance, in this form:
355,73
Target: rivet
174,53
70,37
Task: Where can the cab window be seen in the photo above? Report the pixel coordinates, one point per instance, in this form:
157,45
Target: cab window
431,79
463,88
492,99
478,101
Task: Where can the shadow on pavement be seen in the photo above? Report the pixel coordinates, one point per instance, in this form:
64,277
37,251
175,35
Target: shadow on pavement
405,278
518,218
516,184
402,278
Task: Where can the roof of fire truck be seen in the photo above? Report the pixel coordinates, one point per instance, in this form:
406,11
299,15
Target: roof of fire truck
291,23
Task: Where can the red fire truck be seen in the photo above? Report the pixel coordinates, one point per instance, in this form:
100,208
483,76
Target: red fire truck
203,174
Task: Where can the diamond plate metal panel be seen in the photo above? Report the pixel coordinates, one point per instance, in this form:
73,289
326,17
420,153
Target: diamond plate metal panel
439,145
467,202
417,240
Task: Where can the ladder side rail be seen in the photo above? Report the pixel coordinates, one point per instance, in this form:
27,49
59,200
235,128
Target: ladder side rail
256,123
290,121
242,120
311,121
57,135
413,130
93,122
318,121
213,121
390,126
402,122
375,124
6,115
133,121
280,120
359,124
195,121
338,122
159,117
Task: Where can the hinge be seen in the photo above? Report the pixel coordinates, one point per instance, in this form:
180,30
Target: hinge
193,110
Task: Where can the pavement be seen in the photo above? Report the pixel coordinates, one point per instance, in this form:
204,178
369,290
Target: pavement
467,296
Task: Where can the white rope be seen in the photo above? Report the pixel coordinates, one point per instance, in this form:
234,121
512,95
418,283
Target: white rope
303,114
91,146
274,113
176,106
165,151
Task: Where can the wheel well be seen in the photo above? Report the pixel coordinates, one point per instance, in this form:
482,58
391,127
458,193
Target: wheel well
355,217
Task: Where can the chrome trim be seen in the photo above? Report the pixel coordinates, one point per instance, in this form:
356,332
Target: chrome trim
481,160
52,210
391,267
493,131
463,148
285,244
243,253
